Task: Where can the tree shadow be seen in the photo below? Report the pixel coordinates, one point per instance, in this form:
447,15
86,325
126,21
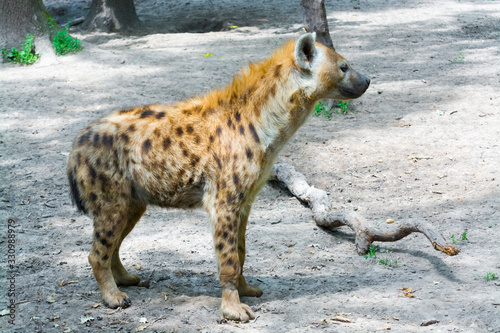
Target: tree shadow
185,17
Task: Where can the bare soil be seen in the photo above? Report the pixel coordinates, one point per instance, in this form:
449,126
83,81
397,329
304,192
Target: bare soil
422,142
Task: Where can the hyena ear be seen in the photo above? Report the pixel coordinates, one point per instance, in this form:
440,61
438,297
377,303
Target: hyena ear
305,50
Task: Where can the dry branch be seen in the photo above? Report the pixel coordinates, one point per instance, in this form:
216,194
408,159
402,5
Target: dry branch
366,231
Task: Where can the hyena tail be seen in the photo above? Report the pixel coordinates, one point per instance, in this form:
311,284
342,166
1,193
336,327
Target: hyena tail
76,198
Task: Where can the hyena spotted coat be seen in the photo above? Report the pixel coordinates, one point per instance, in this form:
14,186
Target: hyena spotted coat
214,151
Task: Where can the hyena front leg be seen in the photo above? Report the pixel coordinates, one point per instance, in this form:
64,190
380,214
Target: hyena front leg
226,222
243,288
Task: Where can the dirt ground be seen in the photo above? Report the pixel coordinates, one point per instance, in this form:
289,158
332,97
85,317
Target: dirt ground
422,142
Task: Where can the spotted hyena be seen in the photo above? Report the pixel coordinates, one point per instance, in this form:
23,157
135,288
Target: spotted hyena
214,151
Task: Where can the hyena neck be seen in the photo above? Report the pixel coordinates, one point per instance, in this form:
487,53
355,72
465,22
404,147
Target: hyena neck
283,115
269,95
275,97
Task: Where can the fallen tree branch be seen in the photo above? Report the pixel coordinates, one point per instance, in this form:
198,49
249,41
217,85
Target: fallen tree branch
366,231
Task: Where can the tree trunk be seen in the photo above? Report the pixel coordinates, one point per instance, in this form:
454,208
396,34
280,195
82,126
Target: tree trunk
111,16
21,17
315,20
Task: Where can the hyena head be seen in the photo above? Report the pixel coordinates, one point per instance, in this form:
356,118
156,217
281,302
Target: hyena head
326,74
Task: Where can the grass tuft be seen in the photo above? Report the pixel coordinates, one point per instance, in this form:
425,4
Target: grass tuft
26,56
63,42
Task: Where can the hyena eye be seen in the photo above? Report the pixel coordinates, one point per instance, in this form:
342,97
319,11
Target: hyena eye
344,68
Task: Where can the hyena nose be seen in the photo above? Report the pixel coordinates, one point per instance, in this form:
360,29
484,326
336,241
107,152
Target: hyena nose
366,79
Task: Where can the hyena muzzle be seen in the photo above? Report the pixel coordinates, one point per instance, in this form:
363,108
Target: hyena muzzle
214,151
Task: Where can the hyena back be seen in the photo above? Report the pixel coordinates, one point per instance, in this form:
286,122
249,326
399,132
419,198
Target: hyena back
214,151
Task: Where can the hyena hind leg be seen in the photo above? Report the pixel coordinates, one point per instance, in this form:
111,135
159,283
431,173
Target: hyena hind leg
111,225
120,274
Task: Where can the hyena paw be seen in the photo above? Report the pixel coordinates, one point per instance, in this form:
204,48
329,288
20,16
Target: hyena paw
237,311
250,291
118,300
127,280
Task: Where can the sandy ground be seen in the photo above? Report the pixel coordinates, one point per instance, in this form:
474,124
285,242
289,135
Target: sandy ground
422,142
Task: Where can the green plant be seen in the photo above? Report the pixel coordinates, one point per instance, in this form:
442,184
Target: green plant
63,43
26,56
463,238
453,240
390,263
321,111
371,252
343,107
459,58
490,276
